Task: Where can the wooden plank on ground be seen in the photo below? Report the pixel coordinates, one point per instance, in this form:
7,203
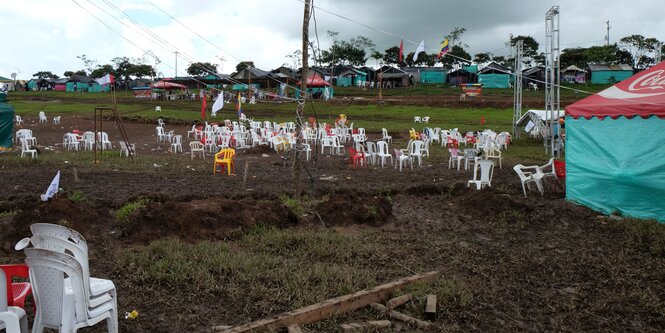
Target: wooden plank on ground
430,307
370,326
337,305
397,301
402,317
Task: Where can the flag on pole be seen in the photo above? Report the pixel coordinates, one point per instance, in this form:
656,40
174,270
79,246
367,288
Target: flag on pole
420,48
53,188
106,79
218,105
239,106
401,50
204,105
444,48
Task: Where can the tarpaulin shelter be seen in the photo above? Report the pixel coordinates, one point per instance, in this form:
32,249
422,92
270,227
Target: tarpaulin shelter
167,85
317,86
614,149
6,123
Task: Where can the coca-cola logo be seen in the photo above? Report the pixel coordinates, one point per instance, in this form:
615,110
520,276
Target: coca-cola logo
651,81
648,85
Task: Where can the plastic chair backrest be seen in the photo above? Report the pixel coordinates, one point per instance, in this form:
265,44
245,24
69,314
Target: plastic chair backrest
486,171
5,291
47,274
382,147
560,168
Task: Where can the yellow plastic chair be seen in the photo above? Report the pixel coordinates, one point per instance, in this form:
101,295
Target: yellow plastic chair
224,159
413,135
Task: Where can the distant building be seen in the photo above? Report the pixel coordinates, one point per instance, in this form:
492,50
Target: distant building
609,74
428,74
494,75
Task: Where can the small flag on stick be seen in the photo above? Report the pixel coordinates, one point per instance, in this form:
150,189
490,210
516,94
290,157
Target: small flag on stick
401,50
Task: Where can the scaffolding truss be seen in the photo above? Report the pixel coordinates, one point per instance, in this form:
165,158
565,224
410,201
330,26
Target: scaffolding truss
552,76
517,96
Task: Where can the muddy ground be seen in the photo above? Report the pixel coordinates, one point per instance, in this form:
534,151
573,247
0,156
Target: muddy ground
528,264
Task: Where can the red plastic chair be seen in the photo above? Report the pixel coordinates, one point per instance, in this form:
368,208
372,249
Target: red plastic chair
560,170
17,291
356,157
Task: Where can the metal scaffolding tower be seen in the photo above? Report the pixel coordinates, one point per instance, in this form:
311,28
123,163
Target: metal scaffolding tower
552,76
517,96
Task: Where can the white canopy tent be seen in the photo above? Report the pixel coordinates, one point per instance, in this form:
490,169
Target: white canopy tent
534,121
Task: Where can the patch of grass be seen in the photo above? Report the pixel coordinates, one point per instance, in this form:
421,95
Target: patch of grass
77,197
293,204
9,213
269,266
124,215
648,235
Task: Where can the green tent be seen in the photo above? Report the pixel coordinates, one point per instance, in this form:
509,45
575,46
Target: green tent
6,123
494,80
614,159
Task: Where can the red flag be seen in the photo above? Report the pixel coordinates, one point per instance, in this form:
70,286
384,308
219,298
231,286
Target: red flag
401,50
203,107
482,120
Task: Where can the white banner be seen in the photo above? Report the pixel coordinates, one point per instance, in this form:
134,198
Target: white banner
53,188
219,103
420,48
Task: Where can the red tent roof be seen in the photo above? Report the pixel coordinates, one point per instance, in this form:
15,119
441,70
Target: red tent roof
642,94
167,85
315,80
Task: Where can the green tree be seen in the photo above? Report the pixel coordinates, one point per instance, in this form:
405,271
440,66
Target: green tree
201,69
90,64
244,64
68,74
456,36
391,55
374,54
482,57
456,55
530,55
141,70
45,75
102,70
296,58
351,52
123,67
640,48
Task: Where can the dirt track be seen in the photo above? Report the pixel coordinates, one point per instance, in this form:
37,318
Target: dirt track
528,264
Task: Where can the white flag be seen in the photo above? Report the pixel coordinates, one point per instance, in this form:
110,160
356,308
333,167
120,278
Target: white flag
420,48
219,103
53,188
106,79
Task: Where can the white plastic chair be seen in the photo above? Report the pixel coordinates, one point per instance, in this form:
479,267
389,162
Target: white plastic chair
382,152
103,140
455,159
527,177
386,137
88,139
19,120
547,171
486,168
158,108
425,119
160,122
192,132
161,136
401,158
125,150
25,148
470,157
416,151
56,120
372,152
12,318
417,119
176,144
42,117
60,307
73,142
196,147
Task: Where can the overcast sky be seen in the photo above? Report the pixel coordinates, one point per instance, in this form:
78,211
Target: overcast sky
49,34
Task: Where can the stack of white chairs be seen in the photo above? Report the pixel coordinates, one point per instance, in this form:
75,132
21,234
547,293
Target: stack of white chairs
67,298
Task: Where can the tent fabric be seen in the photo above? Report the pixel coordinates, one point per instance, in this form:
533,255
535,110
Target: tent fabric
643,94
6,125
494,80
615,165
167,85
315,80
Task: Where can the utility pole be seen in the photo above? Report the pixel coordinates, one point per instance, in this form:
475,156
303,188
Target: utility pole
301,102
607,37
176,64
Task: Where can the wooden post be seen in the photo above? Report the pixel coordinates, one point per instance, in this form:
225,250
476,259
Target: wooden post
244,177
397,301
76,177
430,307
370,326
300,107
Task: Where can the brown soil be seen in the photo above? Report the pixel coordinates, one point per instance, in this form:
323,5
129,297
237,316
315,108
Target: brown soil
531,264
